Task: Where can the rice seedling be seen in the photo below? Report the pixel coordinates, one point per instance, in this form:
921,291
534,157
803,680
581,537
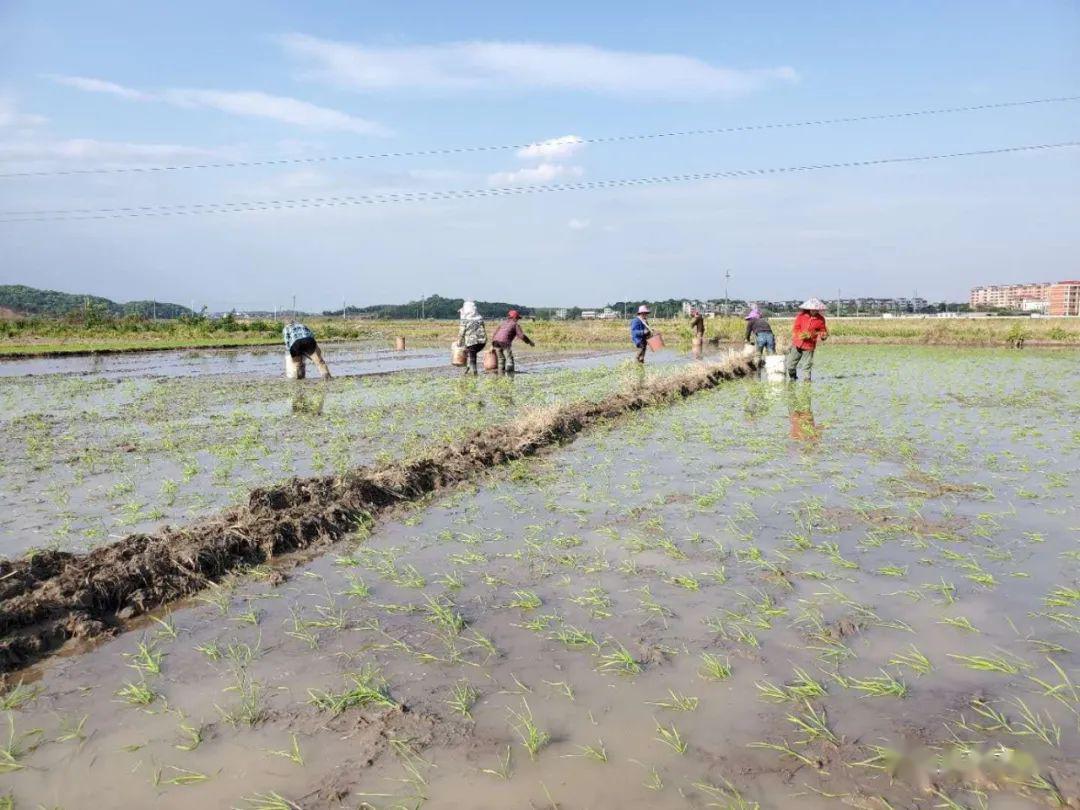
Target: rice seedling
249,709
1063,596
574,637
532,737
1039,725
670,737
784,749
147,659
563,688
814,724
597,753
20,695
1064,691
618,660
803,687
357,589
687,581
502,771
267,801
726,796
913,660
292,753
596,600
70,729
194,736
462,698
678,702
137,693
17,745
181,776
166,629
982,663
363,688
713,668
884,685
959,622
441,613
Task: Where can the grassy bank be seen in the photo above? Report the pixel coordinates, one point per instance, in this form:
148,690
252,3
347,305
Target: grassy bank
39,337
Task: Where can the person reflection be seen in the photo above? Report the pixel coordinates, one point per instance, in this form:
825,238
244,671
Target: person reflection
801,414
309,402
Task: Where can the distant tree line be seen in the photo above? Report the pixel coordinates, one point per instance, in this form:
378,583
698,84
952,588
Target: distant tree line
31,301
434,306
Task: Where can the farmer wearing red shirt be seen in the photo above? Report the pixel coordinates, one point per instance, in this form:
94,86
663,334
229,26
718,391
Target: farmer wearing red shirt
809,327
504,341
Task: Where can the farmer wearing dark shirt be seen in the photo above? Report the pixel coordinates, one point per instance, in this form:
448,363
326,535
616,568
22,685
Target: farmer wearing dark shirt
504,341
697,324
640,332
300,343
758,328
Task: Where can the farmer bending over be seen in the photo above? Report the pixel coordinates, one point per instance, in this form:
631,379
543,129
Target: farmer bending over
504,341
300,344
758,328
808,328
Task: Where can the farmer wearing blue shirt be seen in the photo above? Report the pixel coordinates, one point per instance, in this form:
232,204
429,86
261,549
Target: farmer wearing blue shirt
640,332
300,344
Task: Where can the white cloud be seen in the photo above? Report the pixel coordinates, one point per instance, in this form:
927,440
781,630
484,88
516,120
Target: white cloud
102,86
82,149
11,118
525,65
249,103
544,173
578,224
553,149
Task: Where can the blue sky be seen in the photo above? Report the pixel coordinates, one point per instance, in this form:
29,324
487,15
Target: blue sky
118,84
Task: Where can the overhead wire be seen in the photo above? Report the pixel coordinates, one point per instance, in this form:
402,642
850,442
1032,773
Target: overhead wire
457,150
498,191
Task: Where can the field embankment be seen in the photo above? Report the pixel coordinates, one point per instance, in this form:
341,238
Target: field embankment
51,597
30,337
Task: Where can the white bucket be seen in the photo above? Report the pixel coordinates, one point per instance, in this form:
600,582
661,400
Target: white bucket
774,366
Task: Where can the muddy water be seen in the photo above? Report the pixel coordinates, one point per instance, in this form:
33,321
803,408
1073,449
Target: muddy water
141,440
909,503
347,359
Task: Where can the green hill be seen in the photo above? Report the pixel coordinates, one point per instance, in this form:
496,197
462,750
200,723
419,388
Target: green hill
31,301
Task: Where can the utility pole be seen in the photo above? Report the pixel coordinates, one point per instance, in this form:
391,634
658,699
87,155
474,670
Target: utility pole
342,309
837,302
294,305
155,310
423,303
727,302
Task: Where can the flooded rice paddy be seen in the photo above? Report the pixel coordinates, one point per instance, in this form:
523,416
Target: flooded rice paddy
96,448
862,592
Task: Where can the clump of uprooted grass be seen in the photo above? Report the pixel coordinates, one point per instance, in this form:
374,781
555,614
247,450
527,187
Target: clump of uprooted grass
48,599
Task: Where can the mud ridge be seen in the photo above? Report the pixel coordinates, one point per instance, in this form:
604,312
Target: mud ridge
52,597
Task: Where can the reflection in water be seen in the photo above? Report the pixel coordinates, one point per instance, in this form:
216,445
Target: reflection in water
309,402
800,411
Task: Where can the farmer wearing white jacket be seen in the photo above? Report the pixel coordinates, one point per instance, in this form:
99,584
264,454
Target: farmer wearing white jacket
471,335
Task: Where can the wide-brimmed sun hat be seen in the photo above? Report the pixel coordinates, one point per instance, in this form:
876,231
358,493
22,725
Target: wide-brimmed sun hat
753,314
513,314
643,310
813,304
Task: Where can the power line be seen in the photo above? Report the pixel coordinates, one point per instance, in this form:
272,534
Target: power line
456,150
429,196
